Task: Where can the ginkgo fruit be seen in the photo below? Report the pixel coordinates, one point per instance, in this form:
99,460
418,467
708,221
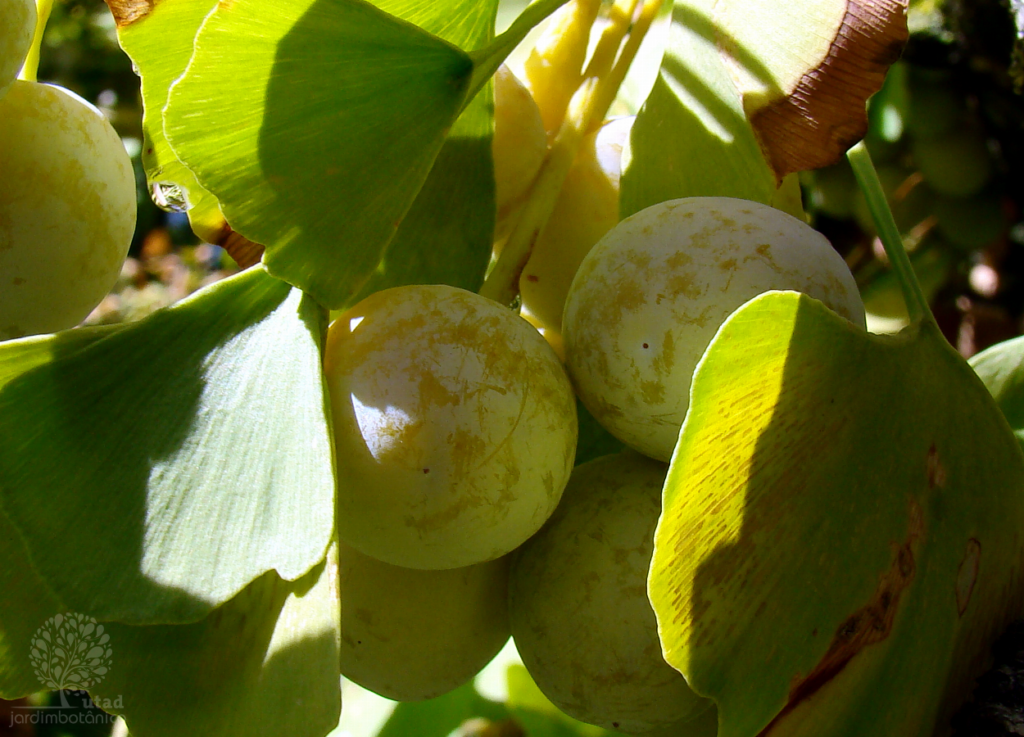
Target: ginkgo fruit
410,634
649,297
16,31
67,208
578,603
454,426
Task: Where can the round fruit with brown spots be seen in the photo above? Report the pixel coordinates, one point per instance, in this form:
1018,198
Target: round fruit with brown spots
649,297
578,602
67,209
454,426
408,634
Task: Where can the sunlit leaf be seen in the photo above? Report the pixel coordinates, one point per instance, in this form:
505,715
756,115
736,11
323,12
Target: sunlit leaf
446,235
157,471
749,92
158,37
262,665
315,124
1001,367
18,356
837,553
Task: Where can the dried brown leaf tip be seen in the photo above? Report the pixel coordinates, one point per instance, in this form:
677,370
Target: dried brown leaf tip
126,12
805,97
244,251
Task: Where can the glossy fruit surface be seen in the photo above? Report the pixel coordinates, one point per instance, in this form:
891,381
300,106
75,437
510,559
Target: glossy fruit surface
649,297
410,634
454,426
578,602
67,208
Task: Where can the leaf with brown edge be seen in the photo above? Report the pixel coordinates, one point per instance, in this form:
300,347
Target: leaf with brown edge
126,12
812,109
837,552
750,91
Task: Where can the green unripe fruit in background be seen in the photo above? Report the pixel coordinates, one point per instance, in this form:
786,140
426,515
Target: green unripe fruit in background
650,296
16,30
410,634
956,164
67,209
935,107
971,222
586,209
578,602
454,426
833,191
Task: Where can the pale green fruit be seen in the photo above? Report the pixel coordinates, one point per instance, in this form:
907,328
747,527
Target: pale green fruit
957,164
519,144
586,209
454,424
650,296
410,634
16,31
67,209
578,602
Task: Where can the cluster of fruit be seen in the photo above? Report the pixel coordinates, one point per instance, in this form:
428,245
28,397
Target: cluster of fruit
939,175
67,194
461,516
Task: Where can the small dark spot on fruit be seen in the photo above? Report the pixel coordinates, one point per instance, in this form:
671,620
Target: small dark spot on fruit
426,470
615,724
646,346
532,277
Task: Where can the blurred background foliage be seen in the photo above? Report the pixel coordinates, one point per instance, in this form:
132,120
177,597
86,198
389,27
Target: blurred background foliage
946,133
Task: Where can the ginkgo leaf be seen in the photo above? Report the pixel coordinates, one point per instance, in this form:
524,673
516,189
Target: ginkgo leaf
836,553
446,235
155,472
264,664
1001,367
749,92
158,37
315,124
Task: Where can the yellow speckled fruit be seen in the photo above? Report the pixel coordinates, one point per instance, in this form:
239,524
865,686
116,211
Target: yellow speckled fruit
454,424
650,296
16,31
409,635
581,619
587,208
519,144
67,209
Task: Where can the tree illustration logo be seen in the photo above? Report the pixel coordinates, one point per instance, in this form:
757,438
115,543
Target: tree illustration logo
70,651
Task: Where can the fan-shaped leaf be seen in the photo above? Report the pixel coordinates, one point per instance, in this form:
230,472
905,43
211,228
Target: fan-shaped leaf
138,469
836,552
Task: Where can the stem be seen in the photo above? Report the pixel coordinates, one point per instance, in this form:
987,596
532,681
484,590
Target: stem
613,80
31,67
889,234
600,85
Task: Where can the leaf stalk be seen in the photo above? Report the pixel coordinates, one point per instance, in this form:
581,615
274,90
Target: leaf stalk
889,234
